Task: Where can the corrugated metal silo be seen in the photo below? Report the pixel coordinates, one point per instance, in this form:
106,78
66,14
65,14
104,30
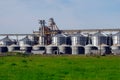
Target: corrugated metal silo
3,49
13,48
78,49
99,38
41,40
25,41
6,41
26,48
59,39
115,49
116,38
104,49
39,49
79,39
52,49
65,49
91,49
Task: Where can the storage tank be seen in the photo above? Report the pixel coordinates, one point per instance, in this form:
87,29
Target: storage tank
25,41
91,49
26,48
59,39
6,41
52,49
116,38
104,49
13,48
3,49
78,49
99,38
33,39
41,40
39,49
65,49
115,49
78,39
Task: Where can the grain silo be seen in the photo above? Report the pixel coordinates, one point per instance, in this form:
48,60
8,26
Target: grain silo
115,49
25,41
99,38
104,49
39,49
26,48
52,49
65,49
78,39
59,39
3,49
6,41
78,49
41,40
91,49
13,48
116,38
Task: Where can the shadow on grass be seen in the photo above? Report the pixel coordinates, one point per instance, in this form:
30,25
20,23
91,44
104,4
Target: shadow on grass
13,64
24,61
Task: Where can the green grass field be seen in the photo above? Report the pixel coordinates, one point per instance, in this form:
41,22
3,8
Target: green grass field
64,67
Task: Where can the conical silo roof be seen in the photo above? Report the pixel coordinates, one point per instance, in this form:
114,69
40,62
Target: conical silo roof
117,34
6,39
77,35
60,35
25,39
99,34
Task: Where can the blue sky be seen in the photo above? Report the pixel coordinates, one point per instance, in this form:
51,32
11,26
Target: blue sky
21,16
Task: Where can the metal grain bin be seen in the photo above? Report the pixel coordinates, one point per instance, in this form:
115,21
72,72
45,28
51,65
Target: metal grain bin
38,47
104,49
116,38
115,49
25,41
78,39
6,41
65,49
52,49
3,49
91,49
13,48
78,49
99,38
26,48
41,40
59,39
